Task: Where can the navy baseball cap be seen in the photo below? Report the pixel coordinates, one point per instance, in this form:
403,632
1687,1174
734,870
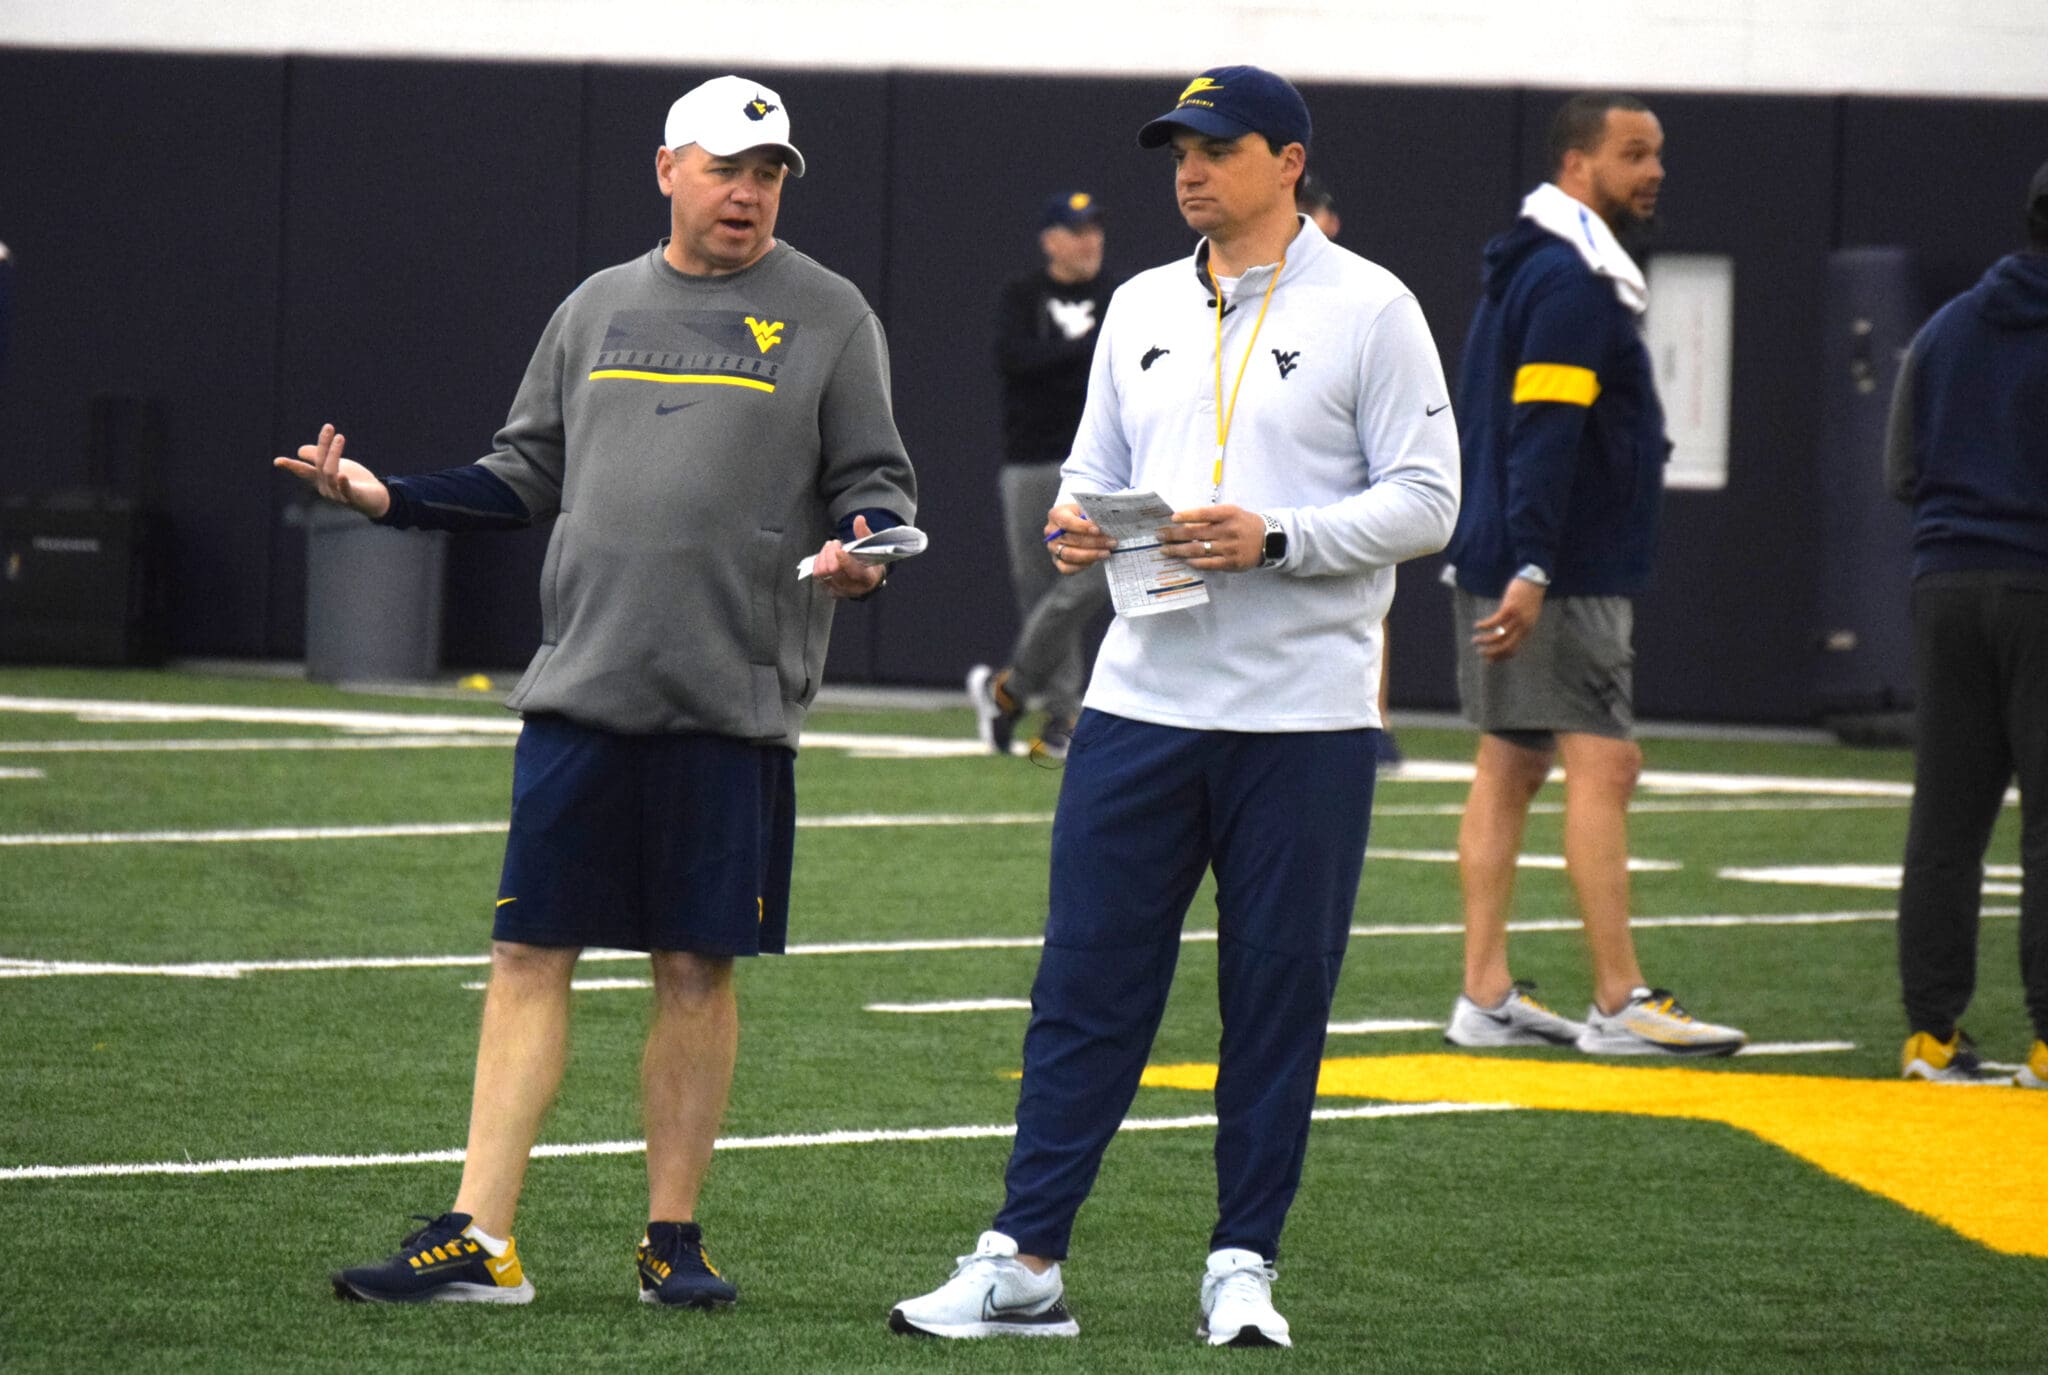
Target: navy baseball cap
1070,210
1230,102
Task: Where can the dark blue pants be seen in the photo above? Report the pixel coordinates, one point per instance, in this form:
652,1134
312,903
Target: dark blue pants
1144,810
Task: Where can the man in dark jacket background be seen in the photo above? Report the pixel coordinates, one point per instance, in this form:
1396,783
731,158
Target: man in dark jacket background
1046,326
1564,452
1968,447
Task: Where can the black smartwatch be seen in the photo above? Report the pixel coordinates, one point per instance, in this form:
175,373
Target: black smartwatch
1276,543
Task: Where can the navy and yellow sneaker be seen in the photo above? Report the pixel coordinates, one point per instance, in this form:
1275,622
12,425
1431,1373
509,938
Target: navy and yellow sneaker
440,1263
1954,1061
2034,1073
675,1272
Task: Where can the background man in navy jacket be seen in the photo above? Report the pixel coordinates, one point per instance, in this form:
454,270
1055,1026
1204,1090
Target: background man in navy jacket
1968,447
1564,453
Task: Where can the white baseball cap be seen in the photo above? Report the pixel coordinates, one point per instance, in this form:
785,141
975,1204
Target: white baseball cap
728,115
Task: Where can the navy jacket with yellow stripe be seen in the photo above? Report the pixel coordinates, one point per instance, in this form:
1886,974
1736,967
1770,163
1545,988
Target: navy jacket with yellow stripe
1561,431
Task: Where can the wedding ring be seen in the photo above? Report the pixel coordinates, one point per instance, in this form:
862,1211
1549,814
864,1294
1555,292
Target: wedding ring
1500,632
1208,546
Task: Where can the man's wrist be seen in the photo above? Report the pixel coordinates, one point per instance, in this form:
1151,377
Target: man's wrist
1274,550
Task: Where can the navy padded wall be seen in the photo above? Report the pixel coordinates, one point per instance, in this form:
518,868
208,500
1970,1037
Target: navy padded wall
1944,178
141,205
1423,176
430,231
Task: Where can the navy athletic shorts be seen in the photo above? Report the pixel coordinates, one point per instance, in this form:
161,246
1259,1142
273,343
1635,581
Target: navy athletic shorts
647,842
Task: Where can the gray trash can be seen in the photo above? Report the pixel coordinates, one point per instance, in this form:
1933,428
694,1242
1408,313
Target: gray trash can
373,598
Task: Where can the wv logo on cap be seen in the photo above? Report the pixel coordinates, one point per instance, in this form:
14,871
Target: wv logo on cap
1195,88
757,109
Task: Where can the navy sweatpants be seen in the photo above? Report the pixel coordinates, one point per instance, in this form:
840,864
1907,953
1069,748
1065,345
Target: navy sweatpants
1144,810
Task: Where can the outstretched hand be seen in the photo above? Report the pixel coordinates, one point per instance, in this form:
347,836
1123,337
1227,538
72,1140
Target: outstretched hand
842,573
340,480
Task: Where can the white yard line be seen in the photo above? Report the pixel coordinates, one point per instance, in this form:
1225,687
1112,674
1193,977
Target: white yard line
1796,1047
1662,807
16,968
891,746
584,985
26,775
957,1005
414,723
1672,782
1636,865
1381,1026
417,724
280,1163
2002,880
202,745
416,829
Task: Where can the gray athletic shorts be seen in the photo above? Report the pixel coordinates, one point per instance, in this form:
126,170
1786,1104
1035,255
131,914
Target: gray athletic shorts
1575,673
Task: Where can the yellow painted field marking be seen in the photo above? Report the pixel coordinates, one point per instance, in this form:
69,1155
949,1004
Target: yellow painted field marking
1968,1157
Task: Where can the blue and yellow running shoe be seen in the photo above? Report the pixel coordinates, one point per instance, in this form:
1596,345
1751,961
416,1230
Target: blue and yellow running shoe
440,1263
675,1272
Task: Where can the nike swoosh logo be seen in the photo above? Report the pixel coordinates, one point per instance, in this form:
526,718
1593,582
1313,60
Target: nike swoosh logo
499,1267
991,1311
502,901
671,410
1434,410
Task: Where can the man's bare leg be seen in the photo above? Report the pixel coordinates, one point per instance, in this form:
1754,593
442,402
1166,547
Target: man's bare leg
519,1059
685,1076
1506,779
1599,778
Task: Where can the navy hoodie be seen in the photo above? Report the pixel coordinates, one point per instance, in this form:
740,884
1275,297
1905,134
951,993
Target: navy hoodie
1968,442
1563,436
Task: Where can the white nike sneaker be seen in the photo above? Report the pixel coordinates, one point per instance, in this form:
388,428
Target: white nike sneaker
1237,1302
991,1294
1519,1020
1652,1023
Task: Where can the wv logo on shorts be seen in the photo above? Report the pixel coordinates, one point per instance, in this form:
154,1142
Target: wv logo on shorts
1286,362
1152,355
766,335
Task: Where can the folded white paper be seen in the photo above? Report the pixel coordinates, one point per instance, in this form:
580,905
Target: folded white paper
883,546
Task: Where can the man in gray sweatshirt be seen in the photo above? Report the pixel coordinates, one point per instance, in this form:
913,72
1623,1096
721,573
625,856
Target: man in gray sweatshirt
697,421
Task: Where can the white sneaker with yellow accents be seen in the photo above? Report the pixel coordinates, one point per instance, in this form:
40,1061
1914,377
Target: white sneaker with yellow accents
1652,1023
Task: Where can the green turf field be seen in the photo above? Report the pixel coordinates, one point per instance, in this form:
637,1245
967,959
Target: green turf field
269,902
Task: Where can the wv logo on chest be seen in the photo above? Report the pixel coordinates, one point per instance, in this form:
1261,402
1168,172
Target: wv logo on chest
1073,319
1285,362
766,335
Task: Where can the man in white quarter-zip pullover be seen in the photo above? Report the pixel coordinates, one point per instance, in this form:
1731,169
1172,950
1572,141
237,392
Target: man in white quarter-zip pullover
1284,397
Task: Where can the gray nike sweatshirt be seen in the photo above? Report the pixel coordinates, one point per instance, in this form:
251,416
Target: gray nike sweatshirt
695,437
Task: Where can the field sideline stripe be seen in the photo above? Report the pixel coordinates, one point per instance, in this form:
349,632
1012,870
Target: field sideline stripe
279,1163
416,829
16,968
229,745
419,723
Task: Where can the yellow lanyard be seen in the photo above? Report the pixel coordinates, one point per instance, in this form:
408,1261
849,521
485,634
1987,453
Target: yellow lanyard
1225,416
